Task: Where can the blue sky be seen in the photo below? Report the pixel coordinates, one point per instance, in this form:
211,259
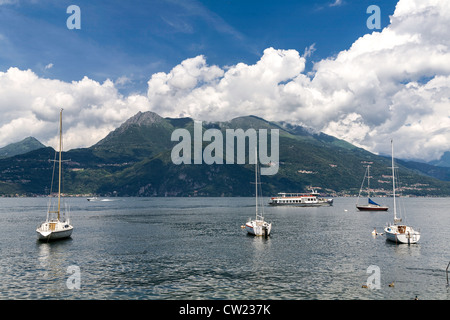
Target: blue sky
137,38
215,60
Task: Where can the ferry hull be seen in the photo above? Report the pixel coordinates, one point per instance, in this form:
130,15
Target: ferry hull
325,203
312,199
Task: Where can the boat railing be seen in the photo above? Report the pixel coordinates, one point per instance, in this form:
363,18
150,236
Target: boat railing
44,226
296,195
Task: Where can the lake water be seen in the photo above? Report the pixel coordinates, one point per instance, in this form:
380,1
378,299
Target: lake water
194,248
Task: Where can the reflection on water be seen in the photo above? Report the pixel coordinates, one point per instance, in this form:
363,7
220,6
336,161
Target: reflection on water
412,250
51,275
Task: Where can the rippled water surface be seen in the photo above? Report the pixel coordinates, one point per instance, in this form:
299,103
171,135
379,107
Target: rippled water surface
194,248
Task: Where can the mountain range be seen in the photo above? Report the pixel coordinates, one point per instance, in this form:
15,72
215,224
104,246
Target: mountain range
135,160
21,147
444,161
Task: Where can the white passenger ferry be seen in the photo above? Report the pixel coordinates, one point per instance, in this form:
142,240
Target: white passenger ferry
311,199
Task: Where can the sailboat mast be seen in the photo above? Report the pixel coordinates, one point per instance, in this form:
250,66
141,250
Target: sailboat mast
393,180
256,181
60,160
368,180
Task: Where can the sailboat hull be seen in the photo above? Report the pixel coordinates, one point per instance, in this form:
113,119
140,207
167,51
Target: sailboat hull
371,207
55,235
401,234
258,228
54,231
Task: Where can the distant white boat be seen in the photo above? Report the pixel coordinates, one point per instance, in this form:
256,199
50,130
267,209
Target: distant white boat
258,226
311,199
57,225
98,199
397,232
371,205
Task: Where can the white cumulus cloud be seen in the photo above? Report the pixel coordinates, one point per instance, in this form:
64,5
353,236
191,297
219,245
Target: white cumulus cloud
393,83
208,92
30,107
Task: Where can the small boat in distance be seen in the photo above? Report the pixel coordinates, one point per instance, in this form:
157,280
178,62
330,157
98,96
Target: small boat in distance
371,205
56,227
397,232
93,199
311,199
258,226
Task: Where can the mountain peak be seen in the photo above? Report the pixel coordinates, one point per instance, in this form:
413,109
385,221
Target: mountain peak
143,118
139,130
246,122
21,147
146,118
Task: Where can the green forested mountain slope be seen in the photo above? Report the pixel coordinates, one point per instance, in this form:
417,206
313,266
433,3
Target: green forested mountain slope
135,160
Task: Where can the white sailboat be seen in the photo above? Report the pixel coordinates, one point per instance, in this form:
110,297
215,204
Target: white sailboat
398,232
57,225
371,205
258,226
